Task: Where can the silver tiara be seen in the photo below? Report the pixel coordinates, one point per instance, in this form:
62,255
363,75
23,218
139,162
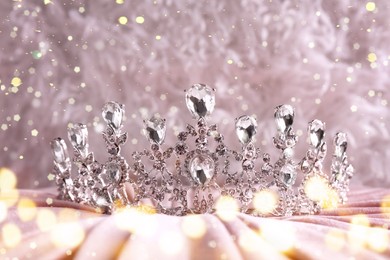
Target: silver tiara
200,174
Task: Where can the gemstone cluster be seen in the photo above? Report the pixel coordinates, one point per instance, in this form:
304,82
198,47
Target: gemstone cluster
191,175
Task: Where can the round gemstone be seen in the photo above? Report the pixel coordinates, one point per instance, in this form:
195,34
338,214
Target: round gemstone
246,128
113,114
155,129
202,169
316,132
78,136
288,175
284,117
200,100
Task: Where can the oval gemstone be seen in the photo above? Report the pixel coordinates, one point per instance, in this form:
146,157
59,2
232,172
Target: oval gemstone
246,128
78,136
112,172
60,153
155,129
202,169
316,132
200,100
113,114
284,117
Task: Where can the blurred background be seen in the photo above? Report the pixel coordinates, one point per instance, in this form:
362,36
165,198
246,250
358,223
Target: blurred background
60,61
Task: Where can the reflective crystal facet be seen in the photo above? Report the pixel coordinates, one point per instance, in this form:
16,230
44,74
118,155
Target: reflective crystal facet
200,100
78,136
202,169
340,142
113,114
155,129
246,127
60,153
288,175
316,132
284,117
111,174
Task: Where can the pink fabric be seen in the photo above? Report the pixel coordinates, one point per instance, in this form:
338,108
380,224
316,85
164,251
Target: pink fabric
329,59
226,239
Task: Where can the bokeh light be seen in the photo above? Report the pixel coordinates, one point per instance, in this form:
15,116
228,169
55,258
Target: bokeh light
358,232
136,220
68,215
46,219
227,208
265,201
378,239
9,197
67,235
26,209
139,19
171,243
194,226
385,205
122,20
335,239
250,240
8,179
279,234
370,6
317,189
11,235
3,211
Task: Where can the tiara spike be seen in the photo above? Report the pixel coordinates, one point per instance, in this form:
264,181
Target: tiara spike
62,169
191,175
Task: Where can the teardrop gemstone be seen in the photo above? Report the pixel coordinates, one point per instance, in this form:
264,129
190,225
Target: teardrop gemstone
316,131
246,128
200,100
202,169
284,117
341,144
113,114
155,129
78,136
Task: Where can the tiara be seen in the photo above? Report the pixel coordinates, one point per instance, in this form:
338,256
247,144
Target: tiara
200,173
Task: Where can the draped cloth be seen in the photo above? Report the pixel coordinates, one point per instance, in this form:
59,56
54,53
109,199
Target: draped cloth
357,229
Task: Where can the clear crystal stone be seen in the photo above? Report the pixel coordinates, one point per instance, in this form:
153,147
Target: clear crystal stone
316,132
60,153
284,117
288,175
246,128
340,142
200,100
155,129
113,114
111,174
78,136
202,169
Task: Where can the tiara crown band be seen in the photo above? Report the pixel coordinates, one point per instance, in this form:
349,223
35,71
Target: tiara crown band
193,177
